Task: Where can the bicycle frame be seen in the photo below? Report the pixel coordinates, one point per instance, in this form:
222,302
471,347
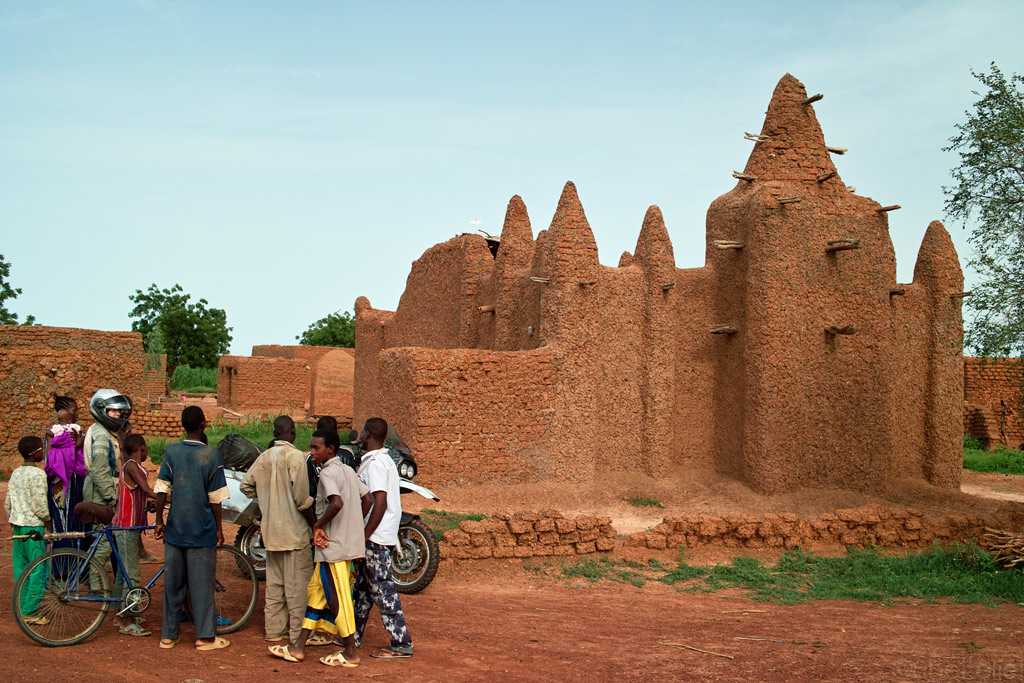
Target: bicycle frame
120,572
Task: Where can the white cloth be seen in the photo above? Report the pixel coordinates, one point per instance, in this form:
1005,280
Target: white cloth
377,470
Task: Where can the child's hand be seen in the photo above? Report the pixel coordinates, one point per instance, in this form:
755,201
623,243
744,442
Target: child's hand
320,539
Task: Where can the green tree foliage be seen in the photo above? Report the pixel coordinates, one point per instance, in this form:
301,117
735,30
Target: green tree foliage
989,187
9,293
336,329
190,333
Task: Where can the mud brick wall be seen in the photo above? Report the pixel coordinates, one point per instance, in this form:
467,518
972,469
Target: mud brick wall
158,423
154,377
865,526
787,361
528,534
331,379
468,415
993,401
264,384
331,385
303,351
37,362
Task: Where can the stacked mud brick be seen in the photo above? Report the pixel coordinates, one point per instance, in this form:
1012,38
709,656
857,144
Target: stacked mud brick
865,526
159,423
528,534
793,358
993,401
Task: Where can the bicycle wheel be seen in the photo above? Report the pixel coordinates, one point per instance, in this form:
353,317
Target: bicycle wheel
236,589
53,602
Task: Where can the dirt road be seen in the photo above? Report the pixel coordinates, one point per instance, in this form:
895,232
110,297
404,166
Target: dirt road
499,622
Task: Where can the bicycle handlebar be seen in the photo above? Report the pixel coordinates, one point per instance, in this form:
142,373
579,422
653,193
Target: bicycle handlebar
66,535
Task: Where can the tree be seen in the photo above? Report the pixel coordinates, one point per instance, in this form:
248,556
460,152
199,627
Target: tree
990,187
336,329
7,292
190,333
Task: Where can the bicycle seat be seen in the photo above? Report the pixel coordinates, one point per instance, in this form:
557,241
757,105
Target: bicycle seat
94,513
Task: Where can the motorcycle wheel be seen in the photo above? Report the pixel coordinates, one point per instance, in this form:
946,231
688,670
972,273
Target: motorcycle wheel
415,564
249,542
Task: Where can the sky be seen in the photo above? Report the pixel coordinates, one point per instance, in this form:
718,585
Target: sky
281,159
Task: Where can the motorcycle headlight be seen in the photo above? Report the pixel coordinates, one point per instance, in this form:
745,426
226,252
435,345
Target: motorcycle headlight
407,470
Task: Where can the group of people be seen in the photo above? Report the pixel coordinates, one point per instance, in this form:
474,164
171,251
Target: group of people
328,529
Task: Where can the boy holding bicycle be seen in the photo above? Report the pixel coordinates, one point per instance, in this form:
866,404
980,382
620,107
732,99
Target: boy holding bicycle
28,514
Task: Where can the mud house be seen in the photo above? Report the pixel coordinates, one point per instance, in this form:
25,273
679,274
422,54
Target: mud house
297,380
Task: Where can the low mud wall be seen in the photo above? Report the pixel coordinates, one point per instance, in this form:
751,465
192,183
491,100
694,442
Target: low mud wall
158,423
528,534
861,527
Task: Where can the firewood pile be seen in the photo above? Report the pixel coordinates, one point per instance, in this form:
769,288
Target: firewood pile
1007,548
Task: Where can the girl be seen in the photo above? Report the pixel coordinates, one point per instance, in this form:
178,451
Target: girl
65,469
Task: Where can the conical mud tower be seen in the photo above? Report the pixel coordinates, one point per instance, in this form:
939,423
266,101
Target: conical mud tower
792,359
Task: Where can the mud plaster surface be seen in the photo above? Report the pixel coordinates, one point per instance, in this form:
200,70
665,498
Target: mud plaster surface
630,367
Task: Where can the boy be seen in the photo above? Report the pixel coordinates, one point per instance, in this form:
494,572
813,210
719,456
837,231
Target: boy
28,513
374,584
278,480
132,492
192,472
338,539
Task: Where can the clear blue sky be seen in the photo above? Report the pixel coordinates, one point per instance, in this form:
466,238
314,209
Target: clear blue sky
281,159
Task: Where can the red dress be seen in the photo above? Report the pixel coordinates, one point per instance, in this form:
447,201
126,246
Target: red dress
131,500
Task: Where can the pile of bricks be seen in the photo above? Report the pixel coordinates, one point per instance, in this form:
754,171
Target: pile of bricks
528,534
158,423
864,526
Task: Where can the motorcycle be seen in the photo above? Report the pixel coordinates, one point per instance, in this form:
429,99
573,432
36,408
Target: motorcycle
415,558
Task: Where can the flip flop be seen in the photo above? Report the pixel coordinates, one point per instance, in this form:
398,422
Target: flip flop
282,652
167,643
338,659
37,620
388,653
319,640
134,629
217,643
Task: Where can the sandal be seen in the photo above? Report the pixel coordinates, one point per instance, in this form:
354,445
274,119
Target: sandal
37,620
338,659
389,653
167,643
319,640
134,629
217,643
282,652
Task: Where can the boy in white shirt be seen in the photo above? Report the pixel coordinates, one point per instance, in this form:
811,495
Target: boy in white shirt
374,583
29,515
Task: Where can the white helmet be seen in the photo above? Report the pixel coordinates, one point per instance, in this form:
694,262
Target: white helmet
107,399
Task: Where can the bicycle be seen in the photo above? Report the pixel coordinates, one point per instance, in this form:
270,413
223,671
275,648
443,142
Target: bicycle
69,610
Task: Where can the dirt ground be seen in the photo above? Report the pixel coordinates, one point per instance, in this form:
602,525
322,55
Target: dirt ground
996,486
493,619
